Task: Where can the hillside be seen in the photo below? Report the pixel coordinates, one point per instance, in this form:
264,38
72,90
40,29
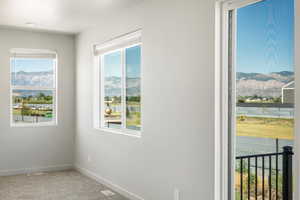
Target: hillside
45,79
267,85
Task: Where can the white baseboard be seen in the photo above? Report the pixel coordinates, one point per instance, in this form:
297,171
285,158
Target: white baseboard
108,183
11,172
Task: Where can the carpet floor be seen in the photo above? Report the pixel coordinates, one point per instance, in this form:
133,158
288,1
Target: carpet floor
63,185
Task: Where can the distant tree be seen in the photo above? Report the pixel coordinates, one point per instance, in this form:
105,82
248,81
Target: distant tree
48,98
241,100
127,112
277,100
41,96
133,98
107,98
25,110
17,99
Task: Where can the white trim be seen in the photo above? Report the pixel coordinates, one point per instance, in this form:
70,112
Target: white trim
108,183
50,168
101,82
119,42
235,4
123,88
54,88
125,131
222,110
33,53
28,56
232,103
30,125
99,93
288,84
33,88
55,93
217,103
222,187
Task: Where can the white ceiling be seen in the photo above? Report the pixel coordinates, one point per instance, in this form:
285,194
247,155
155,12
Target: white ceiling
70,16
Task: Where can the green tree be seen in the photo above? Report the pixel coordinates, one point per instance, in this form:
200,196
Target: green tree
25,110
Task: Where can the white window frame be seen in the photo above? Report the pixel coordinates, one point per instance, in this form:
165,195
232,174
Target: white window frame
224,142
34,54
119,44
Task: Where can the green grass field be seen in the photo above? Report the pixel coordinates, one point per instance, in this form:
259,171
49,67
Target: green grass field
265,127
134,119
40,112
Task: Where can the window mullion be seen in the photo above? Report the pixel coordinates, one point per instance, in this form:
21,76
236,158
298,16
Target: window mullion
54,105
102,93
32,88
123,101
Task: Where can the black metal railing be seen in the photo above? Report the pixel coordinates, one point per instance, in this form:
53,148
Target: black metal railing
265,176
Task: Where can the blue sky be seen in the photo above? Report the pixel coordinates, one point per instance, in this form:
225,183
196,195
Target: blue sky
133,62
265,37
32,65
112,63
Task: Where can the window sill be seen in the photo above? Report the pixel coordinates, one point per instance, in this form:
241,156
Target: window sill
131,133
24,125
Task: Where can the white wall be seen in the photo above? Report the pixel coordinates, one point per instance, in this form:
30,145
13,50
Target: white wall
177,145
23,149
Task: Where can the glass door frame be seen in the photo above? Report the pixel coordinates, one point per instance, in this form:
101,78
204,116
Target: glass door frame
226,12
224,164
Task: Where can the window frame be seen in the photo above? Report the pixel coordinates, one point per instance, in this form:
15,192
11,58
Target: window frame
99,89
224,168
54,88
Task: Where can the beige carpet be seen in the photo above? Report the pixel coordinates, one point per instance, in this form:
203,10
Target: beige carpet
64,185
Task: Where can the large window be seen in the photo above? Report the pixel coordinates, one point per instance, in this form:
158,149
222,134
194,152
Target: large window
33,87
119,85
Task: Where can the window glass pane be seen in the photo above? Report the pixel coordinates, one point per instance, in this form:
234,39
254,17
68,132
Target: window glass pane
133,88
32,72
265,90
265,77
112,90
32,106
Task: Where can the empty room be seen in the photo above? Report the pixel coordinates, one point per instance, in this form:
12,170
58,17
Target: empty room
149,100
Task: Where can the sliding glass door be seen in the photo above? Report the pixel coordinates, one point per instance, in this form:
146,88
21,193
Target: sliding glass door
261,92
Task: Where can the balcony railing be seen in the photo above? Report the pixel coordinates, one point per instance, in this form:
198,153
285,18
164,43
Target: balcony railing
265,176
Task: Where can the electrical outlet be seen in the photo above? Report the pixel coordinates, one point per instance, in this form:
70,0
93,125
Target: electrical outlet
176,194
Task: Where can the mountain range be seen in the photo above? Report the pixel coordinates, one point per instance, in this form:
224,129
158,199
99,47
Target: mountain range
45,79
248,84
42,79
113,86
265,85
